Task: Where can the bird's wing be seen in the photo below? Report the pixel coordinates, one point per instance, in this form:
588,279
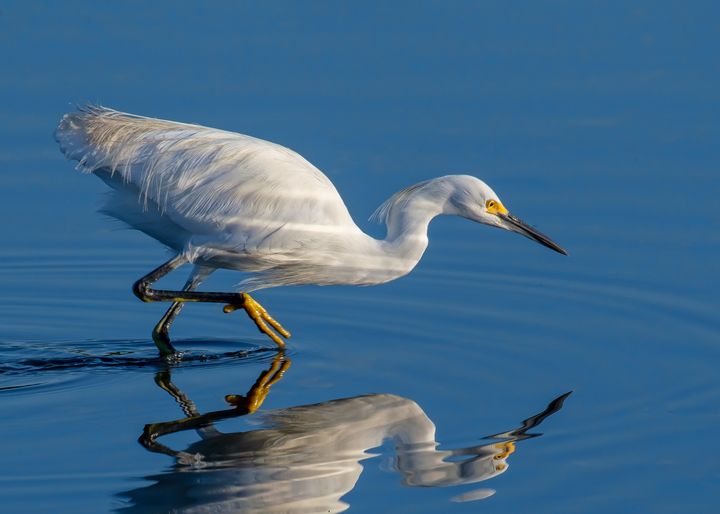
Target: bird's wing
235,191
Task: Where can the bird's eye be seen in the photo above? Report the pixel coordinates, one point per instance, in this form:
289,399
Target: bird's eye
490,204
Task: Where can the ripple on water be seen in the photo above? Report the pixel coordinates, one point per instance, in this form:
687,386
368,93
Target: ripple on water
453,307
29,365
531,296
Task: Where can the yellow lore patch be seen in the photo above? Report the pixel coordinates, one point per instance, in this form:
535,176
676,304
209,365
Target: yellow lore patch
495,207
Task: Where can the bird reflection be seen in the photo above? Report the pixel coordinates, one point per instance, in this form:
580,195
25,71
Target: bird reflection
306,458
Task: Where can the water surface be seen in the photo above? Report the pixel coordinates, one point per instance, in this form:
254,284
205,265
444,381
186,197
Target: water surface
593,121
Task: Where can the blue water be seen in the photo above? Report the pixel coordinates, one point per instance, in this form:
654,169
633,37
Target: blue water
595,121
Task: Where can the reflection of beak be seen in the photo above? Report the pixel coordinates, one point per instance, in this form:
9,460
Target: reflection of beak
519,226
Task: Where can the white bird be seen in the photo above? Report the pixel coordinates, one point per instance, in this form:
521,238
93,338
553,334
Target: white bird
220,199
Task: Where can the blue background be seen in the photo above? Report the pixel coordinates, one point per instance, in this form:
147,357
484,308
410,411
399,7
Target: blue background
596,121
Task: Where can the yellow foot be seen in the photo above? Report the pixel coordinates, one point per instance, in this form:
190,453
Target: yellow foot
260,316
259,391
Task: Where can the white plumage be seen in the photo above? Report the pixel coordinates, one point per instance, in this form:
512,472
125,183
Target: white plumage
226,200
221,197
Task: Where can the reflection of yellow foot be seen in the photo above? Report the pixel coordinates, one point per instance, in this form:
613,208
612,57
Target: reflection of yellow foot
505,450
259,391
260,316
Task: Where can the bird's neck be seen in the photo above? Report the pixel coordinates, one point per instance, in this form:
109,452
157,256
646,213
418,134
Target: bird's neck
408,215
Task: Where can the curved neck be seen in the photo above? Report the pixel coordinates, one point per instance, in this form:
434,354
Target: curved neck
410,221
407,216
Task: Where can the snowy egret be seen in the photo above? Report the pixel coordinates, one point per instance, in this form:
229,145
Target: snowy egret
220,199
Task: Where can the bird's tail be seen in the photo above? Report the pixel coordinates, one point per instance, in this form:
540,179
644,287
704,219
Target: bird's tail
102,138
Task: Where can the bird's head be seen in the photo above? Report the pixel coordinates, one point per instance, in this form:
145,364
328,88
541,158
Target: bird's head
473,199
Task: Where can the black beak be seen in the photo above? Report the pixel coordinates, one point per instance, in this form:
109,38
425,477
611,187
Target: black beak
519,226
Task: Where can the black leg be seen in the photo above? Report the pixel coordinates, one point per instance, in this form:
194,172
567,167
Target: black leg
142,288
160,333
233,301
